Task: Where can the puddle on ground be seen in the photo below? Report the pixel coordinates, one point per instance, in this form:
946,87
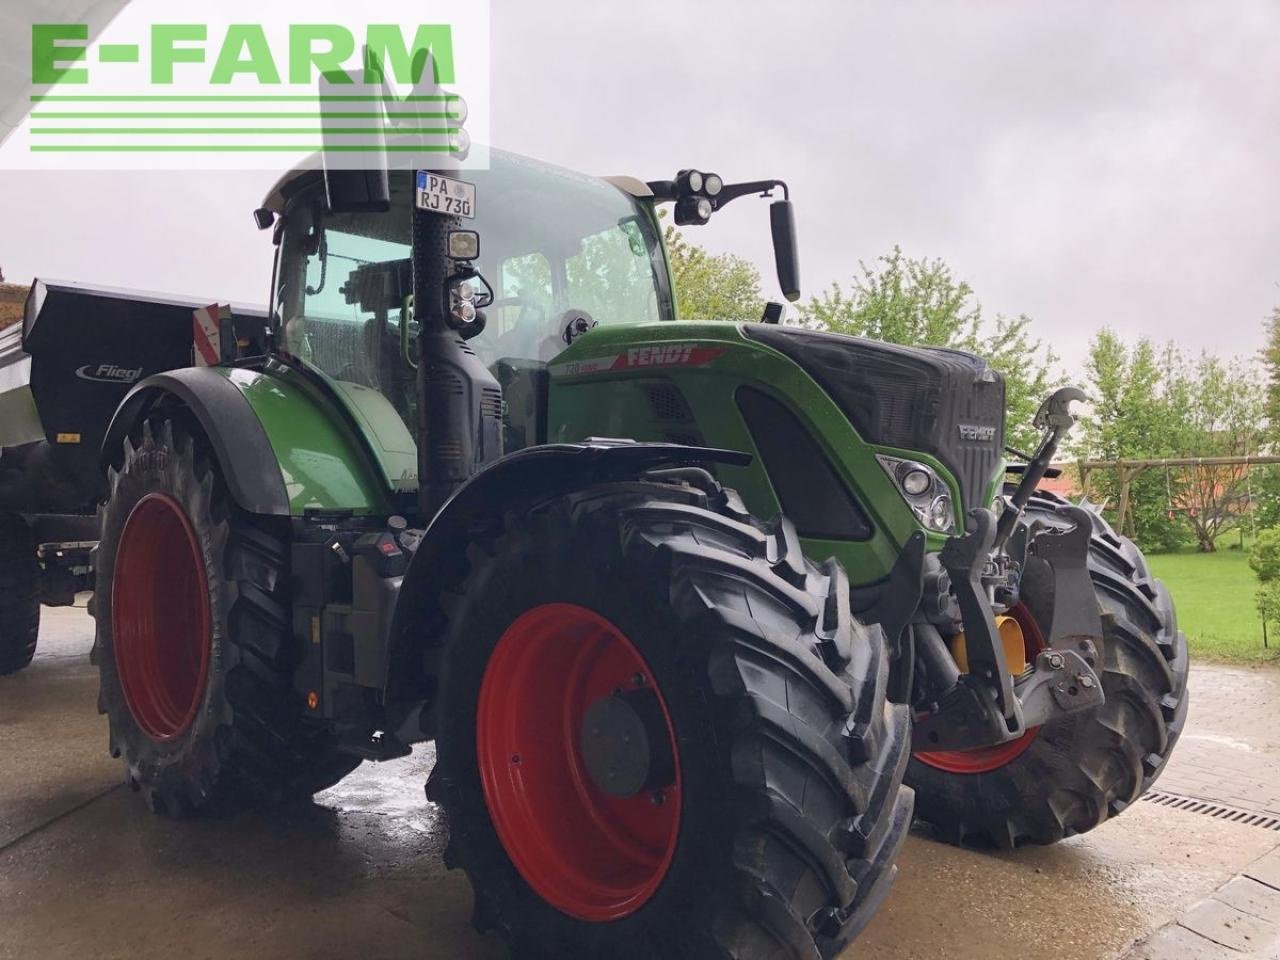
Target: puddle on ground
393,789
1230,742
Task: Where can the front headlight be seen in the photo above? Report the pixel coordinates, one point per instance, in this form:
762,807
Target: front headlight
926,493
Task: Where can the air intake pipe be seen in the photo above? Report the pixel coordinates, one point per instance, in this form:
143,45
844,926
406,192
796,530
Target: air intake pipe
459,400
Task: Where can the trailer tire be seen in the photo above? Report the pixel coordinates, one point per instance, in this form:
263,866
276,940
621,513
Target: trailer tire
19,594
1078,772
194,642
775,835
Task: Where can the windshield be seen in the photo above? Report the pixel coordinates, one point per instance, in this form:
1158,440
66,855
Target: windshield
553,243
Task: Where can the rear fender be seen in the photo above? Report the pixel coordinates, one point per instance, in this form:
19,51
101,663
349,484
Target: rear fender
281,448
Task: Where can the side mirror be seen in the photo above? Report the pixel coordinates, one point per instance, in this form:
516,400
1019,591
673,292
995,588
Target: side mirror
782,221
698,195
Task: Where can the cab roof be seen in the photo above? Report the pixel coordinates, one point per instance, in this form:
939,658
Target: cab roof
310,170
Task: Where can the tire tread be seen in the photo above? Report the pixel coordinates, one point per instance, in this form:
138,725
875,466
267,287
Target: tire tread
19,594
817,808
1082,770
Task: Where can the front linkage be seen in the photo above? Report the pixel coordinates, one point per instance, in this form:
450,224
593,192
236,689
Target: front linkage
982,571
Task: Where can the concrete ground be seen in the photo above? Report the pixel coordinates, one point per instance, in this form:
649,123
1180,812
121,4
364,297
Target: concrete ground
87,872
1240,921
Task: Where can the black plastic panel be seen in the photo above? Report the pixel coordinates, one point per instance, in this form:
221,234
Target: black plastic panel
525,385
809,490
945,403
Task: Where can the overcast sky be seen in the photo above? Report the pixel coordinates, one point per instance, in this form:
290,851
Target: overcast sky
1084,163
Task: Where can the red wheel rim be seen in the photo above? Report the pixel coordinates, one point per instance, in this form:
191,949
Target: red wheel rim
591,855
987,759
160,617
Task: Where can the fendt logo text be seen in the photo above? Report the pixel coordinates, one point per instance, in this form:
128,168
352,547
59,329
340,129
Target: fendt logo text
659,356
977,432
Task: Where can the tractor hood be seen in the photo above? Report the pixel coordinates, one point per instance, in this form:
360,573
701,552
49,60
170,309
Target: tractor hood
946,403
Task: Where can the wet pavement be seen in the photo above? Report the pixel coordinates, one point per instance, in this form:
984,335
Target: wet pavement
1231,752
87,872
1240,921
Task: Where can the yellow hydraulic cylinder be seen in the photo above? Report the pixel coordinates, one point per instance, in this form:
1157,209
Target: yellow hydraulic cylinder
1011,637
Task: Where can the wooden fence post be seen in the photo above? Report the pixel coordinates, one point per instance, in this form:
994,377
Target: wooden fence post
1124,521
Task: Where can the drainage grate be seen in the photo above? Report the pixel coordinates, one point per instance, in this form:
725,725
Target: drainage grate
1211,808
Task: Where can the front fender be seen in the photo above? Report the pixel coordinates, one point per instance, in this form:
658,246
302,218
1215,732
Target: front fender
281,447
514,482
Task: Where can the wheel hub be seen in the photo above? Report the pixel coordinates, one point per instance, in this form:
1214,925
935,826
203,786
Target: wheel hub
1019,626
578,762
160,617
625,745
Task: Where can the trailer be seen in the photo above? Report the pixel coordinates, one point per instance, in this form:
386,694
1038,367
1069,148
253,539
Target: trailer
64,369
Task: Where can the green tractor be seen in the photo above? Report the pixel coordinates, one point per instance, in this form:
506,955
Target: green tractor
390,512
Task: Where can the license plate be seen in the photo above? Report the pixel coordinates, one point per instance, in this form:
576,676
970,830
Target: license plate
455,198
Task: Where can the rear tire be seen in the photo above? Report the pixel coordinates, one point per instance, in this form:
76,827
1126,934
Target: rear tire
19,594
789,755
222,727
1079,771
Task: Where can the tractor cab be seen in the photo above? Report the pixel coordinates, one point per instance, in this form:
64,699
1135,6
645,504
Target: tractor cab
554,246
547,254
554,253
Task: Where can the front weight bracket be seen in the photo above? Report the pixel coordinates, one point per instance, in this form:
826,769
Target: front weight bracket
1076,618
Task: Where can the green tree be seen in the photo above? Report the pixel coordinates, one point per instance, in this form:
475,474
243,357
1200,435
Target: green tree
1266,496
921,302
1271,362
710,286
1150,405
610,276
900,300
1217,410
1266,481
1264,555
1264,559
1128,419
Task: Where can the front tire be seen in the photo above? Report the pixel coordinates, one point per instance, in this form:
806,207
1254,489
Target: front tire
193,643
771,810
1074,774
19,594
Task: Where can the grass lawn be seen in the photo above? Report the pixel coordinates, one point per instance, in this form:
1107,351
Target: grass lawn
1213,593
